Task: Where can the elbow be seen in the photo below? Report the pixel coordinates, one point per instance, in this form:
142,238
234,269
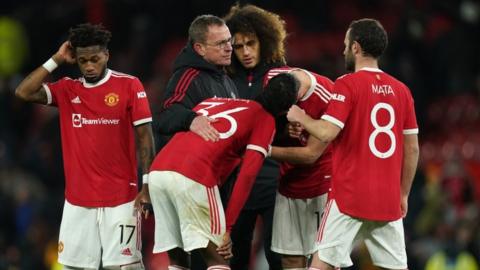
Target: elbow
310,159
19,93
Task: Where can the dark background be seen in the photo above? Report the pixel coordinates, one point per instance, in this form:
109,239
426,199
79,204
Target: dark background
434,48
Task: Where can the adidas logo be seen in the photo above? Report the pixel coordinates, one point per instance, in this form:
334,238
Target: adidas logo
126,252
76,100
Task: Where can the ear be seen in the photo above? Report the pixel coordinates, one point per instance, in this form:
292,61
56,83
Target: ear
356,48
199,48
107,54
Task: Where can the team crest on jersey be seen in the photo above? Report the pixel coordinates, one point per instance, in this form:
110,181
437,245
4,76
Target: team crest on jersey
60,247
111,99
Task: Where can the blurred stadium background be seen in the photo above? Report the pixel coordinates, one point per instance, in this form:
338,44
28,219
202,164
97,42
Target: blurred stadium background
434,48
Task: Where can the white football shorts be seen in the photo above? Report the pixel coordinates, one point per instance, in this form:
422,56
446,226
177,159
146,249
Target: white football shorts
187,214
295,224
108,234
338,232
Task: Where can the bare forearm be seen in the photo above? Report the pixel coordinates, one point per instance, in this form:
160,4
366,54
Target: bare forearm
30,89
146,148
410,161
295,155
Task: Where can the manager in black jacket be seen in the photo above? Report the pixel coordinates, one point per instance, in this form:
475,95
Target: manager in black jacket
198,74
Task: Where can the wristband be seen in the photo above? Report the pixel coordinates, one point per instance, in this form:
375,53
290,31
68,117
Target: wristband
269,153
50,65
145,179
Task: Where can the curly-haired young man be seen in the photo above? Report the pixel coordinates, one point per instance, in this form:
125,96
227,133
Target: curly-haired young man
99,114
259,37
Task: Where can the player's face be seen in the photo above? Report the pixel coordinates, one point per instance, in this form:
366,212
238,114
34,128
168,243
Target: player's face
348,53
247,49
92,62
217,49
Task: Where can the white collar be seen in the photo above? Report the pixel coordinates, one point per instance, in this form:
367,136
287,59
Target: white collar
102,81
371,69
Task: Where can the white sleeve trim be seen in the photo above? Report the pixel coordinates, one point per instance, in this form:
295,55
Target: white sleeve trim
258,148
410,131
48,92
333,120
142,121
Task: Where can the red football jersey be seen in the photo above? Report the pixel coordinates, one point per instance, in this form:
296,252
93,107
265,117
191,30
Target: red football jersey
374,111
243,125
98,142
307,181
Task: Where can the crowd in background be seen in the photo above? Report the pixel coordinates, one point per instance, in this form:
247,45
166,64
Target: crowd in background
433,48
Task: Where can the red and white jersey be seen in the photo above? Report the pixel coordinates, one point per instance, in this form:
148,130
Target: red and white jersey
243,125
374,111
307,181
98,142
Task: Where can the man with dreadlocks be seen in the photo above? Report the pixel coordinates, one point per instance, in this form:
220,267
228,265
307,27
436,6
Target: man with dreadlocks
99,115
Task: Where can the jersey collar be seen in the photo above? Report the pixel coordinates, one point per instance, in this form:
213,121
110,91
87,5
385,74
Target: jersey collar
102,81
371,69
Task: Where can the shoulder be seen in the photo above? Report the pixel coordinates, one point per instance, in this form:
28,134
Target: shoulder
123,76
67,81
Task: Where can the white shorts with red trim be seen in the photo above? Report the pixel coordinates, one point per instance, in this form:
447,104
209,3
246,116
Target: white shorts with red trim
295,224
108,234
338,232
187,214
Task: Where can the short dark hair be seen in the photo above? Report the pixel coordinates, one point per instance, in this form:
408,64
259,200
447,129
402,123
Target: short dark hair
279,94
199,27
371,36
86,35
267,26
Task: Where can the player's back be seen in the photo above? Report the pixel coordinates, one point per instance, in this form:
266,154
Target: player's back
241,123
376,110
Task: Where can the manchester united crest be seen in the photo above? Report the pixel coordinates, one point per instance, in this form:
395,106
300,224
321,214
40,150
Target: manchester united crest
111,99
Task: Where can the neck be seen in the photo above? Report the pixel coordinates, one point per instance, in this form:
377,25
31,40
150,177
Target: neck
365,62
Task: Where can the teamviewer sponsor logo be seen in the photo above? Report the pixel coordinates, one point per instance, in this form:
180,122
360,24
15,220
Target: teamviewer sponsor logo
78,121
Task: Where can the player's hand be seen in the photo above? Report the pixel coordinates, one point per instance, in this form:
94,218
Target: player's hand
294,129
64,54
225,249
404,206
142,202
295,114
202,127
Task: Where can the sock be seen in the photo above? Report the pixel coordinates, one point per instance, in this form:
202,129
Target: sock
219,267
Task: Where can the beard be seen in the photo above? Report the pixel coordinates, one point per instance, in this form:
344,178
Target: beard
349,62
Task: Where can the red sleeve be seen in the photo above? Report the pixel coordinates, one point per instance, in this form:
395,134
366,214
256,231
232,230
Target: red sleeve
340,104
410,126
56,91
252,162
256,151
140,109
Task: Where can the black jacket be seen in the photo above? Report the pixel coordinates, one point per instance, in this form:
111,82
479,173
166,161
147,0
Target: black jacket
249,84
193,81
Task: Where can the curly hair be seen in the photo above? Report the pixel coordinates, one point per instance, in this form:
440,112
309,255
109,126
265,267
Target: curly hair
86,35
267,26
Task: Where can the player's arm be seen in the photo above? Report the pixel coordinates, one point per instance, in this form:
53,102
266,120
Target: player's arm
146,153
410,160
31,89
251,164
323,130
307,154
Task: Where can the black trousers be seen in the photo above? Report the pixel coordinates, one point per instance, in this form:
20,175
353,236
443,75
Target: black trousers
242,236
